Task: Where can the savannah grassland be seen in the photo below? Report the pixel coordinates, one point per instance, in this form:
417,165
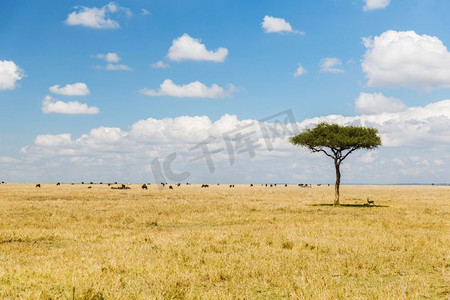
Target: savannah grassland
70,242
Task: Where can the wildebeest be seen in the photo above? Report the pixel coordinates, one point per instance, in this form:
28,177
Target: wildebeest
285,185
58,183
122,187
205,185
38,185
231,185
251,184
170,187
144,186
178,184
89,187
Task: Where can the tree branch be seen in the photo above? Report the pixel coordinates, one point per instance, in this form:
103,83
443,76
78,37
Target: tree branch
351,150
321,150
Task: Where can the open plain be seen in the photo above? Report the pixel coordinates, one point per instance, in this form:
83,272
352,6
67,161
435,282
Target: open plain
71,242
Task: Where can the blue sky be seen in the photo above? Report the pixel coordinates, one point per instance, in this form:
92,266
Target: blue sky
103,88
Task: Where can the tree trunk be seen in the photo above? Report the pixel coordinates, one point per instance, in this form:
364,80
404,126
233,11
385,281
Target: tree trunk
338,182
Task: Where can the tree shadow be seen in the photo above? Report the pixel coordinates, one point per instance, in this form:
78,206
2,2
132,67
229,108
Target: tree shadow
364,205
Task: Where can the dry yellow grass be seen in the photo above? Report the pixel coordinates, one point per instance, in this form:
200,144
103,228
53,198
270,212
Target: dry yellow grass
220,243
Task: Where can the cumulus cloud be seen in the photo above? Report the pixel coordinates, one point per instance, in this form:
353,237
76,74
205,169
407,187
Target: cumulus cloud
414,126
160,65
413,140
277,25
10,73
331,65
50,140
117,67
54,106
375,4
376,103
194,89
300,71
112,59
76,89
406,59
188,48
96,17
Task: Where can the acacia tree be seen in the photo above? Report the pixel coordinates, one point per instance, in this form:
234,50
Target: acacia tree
337,142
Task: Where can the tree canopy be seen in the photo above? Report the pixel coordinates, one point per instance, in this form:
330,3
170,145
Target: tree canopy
337,142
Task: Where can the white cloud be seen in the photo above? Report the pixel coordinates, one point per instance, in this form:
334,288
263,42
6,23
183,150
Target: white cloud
406,59
76,89
414,126
49,140
160,65
376,103
194,89
331,65
110,57
8,160
117,67
145,12
10,73
277,25
49,106
96,17
188,48
300,71
413,140
375,4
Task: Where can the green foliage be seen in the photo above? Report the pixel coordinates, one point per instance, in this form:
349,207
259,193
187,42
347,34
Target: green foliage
337,138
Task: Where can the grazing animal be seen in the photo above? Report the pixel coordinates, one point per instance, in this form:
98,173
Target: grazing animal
370,202
58,183
109,184
144,186
285,185
170,187
251,184
178,184
205,185
89,187
231,185
38,185
271,185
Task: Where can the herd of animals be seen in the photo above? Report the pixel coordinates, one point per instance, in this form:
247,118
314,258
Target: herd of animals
117,186
163,184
